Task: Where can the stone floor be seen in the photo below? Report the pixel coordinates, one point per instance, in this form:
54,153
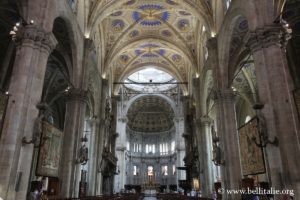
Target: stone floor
150,198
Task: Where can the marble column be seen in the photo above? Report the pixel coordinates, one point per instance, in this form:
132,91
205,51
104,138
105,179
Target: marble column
206,155
275,88
227,131
33,46
73,131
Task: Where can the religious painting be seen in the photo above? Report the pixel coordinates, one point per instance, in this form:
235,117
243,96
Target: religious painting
196,184
150,171
251,155
3,104
50,151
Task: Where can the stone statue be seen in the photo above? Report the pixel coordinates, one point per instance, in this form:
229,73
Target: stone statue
83,155
216,151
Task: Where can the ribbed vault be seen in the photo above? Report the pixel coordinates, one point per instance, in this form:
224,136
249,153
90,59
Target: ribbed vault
164,33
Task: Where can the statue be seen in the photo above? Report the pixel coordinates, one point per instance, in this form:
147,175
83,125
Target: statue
216,151
83,155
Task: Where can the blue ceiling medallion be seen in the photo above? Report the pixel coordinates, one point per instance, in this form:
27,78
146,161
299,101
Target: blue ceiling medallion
162,52
171,2
138,52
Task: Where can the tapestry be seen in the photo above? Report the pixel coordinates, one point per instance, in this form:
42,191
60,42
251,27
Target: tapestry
50,151
3,104
251,155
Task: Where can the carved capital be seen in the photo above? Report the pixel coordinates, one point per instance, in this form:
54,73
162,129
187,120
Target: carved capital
89,44
121,148
205,120
196,82
274,34
34,35
123,119
76,94
212,43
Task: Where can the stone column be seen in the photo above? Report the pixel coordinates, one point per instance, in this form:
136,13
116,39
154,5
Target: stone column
180,146
206,155
33,48
227,131
275,88
93,156
73,131
120,179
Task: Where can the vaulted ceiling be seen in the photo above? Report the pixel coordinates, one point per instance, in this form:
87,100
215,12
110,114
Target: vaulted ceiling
161,33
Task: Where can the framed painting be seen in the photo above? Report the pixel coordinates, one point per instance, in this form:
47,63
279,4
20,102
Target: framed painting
50,151
3,105
252,158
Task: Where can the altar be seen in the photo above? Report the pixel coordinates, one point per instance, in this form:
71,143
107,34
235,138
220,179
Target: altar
150,184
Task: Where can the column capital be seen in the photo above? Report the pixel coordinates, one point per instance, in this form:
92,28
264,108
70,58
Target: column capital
77,94
205,120
263,37
89,44
32,34
120,148
212,43
178,119
123,119
196,82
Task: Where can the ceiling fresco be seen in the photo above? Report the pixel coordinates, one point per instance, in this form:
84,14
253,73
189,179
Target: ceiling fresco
163,33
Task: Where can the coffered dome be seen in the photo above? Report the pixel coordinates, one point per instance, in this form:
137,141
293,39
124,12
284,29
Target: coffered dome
150,114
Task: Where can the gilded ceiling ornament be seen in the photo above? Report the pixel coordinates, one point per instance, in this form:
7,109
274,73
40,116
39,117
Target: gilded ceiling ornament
151,15
184,13
183,25
124,59
118,25
149,45
117,14
130,3
149,55
177,58
166,33
134,33
172,2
